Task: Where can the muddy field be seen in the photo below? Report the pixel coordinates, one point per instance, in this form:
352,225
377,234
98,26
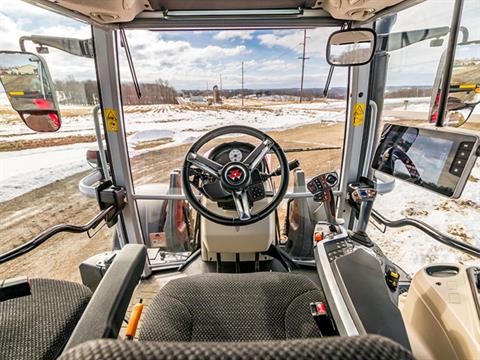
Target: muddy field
27,215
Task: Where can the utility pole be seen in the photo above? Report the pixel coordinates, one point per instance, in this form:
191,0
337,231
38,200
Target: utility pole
303,58
243,95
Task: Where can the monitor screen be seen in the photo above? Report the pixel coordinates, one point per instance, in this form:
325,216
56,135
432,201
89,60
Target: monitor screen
437,160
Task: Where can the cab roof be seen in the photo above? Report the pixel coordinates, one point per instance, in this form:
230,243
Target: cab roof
148,13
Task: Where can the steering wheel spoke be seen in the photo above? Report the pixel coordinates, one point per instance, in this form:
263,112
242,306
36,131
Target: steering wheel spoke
241,204
257,154
209,166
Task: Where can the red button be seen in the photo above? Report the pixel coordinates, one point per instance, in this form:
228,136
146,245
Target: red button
321,309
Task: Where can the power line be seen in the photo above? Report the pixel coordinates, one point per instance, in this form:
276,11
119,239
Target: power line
303,58
243,94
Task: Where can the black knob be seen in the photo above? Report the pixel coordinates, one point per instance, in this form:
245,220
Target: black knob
331,179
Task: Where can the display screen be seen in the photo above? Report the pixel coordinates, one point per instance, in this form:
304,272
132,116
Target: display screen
434,159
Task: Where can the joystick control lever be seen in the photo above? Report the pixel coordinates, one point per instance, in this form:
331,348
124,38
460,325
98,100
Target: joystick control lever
364,195
321,187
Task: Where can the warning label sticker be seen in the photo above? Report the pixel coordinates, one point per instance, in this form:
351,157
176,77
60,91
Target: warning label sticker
112,119
358,114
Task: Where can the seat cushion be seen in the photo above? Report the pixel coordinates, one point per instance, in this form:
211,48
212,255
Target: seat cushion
38,326
369,347
233,307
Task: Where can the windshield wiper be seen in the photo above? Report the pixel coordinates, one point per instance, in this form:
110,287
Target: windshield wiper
124,43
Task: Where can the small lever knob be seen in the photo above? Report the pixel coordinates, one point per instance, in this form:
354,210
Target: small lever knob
321,188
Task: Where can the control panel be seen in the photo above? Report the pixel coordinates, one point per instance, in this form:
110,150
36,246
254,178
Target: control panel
321,188
256,190
320,184
338,248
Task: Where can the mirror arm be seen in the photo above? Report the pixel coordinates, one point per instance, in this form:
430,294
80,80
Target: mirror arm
47,234
77,47
447,70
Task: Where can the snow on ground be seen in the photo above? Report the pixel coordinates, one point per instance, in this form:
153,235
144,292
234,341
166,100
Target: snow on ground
25,170
411,248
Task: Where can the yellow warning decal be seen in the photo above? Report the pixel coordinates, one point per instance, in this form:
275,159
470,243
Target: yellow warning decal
358,114
16,93
112,119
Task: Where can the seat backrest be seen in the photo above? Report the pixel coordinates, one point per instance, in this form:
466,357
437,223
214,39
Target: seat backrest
346,348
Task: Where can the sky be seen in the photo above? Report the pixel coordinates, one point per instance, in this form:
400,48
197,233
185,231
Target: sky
191,60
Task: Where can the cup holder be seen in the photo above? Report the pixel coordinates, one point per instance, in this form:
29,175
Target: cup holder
442,271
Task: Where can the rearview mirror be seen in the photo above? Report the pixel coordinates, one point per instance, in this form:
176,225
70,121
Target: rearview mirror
29,88
351,47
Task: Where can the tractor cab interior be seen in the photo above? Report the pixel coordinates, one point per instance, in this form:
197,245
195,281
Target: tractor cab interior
205,251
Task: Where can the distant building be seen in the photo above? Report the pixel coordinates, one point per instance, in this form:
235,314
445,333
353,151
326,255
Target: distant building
197,98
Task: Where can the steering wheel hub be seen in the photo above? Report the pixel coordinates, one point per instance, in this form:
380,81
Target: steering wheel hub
235,176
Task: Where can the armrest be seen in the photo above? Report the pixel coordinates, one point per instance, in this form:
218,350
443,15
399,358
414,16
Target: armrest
105,312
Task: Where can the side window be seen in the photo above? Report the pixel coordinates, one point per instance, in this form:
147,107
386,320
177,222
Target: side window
412,85
40,172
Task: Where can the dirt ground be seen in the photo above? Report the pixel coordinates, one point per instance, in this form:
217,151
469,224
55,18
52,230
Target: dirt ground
61,202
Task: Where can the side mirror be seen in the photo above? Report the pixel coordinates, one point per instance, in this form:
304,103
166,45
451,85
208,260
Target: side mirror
29,88
351,47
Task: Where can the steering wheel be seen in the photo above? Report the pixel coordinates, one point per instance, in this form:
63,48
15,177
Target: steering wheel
235,177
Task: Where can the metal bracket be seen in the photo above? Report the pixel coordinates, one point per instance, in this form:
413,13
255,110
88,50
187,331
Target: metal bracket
107,195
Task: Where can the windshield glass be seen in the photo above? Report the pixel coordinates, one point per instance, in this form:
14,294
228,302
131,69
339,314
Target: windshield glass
194,82
413,77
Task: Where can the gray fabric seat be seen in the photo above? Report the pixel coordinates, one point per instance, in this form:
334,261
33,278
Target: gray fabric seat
38,326
233,307
369,347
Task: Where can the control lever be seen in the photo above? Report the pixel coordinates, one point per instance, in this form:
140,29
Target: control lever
292,165
364,195
322,189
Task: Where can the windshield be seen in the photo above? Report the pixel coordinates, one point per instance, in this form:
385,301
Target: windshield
194,82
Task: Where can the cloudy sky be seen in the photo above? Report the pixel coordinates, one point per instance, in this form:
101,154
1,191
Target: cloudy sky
192,59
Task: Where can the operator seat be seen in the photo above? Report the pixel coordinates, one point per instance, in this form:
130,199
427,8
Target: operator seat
39,325
237,316
233,307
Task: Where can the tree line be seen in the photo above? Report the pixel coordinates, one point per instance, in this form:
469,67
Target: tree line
85,92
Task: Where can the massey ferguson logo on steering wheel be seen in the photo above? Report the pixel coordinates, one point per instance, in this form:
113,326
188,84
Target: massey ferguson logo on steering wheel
235,175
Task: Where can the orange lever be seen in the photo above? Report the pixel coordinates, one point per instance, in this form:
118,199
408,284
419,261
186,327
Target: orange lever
134,319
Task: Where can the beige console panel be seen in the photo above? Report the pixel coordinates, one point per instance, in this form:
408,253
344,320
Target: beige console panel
441,316
229,240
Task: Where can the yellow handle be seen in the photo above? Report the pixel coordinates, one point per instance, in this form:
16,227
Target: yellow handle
133,322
